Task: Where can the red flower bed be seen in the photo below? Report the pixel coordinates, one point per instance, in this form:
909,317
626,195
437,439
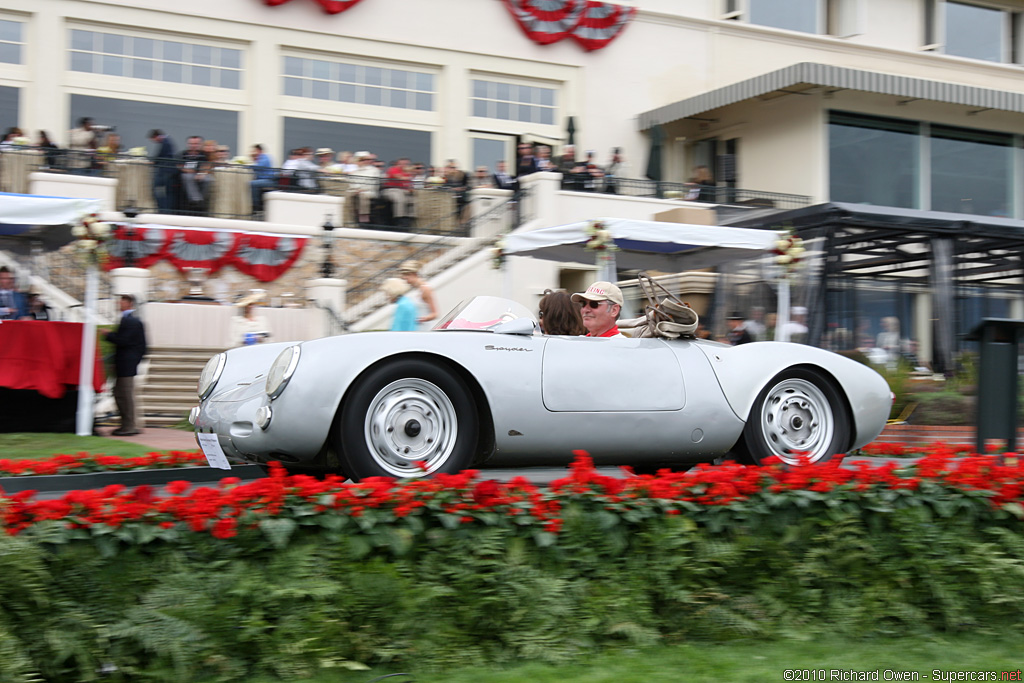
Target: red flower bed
81,463
455,499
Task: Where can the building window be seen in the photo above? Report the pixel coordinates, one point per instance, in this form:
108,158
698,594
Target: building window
971,171
909,164
977,32
321,79
508,102
11,41
874,160
151,59
806,16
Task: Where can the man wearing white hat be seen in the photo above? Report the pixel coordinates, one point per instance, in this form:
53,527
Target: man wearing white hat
795,330
600,306
366,184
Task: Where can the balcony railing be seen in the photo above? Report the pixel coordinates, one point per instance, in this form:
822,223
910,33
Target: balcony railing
228,190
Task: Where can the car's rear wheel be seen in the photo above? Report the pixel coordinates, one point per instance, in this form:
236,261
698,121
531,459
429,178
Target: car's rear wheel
799,414
407,418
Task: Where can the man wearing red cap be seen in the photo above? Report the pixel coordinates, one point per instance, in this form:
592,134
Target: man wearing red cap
600,306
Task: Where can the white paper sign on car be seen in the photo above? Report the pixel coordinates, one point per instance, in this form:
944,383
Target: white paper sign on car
213,452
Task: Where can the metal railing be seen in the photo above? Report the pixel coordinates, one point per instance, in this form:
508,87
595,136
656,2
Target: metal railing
711,194
365,296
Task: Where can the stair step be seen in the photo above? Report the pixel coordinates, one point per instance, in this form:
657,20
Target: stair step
168,397
165,384
164,408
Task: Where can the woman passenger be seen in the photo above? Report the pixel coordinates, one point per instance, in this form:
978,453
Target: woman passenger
559,315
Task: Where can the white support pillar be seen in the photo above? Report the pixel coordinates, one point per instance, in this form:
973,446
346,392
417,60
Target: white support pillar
328,293
134,281
542,201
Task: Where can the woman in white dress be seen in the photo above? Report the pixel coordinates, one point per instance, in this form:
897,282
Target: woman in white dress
421,293
248,327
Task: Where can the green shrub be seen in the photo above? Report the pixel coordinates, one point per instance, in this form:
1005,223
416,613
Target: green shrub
314,575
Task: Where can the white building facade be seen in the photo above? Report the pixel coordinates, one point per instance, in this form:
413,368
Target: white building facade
912,104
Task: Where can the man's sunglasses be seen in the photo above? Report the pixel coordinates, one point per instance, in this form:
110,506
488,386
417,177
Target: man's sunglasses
592,304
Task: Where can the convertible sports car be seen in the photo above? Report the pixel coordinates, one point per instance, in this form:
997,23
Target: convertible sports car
484,387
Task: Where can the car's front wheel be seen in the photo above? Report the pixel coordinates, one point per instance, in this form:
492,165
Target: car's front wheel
798,415
408,418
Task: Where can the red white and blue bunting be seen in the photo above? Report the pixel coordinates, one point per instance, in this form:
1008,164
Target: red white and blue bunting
590,23
263,256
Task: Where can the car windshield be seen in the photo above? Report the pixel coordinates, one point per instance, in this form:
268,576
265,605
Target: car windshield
483,313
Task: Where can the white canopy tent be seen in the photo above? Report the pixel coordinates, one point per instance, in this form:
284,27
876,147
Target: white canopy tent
27,219
653,245
649,245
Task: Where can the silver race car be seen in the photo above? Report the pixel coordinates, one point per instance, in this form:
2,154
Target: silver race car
484,387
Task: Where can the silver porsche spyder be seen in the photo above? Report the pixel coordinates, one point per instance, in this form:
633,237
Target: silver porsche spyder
484,387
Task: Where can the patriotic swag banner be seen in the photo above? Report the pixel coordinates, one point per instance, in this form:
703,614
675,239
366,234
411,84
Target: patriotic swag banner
262,256
590,23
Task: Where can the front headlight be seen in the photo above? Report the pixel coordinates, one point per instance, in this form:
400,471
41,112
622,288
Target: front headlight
211,374
282,370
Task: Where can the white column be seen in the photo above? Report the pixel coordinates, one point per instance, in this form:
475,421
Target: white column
483,200
86,393
328,293
134,281
782,317
542,201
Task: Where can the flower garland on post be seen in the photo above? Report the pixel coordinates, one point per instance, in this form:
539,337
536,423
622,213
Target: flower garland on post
789,252
601,239
498,254
91,236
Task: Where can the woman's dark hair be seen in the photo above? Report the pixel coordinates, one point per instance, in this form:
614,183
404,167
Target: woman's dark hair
559,315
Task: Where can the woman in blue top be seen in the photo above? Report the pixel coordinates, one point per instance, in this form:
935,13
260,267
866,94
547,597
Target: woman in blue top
405,308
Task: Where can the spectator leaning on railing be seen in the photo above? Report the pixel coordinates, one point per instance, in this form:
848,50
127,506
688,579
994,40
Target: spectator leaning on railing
165,174
366,189
263,167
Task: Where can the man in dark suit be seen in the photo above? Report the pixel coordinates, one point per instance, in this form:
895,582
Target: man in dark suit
12,302
129,340
502,180
526,162
165,171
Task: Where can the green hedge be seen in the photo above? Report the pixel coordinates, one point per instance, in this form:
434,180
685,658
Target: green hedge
459,583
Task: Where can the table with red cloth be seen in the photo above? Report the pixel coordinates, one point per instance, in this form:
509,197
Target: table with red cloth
39,366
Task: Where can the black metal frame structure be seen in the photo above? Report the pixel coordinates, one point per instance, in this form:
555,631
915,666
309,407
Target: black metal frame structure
942,251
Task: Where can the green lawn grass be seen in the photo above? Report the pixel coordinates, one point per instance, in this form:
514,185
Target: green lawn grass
740,662
26,445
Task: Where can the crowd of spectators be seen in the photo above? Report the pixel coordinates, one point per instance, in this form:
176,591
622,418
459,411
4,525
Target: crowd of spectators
380,192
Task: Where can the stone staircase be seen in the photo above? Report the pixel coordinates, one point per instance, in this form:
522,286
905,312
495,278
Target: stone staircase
169,389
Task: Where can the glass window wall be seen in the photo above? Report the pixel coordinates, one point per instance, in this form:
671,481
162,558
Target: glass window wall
874,160
508,102
795,15
11,41
344,82
170,61
976,32
971,172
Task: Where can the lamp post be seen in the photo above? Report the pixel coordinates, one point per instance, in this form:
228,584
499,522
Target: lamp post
130,212
327,269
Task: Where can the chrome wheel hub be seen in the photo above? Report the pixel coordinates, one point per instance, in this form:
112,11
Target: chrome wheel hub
796,419
410,422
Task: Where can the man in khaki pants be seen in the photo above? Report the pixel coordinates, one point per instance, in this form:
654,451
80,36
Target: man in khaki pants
129,340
